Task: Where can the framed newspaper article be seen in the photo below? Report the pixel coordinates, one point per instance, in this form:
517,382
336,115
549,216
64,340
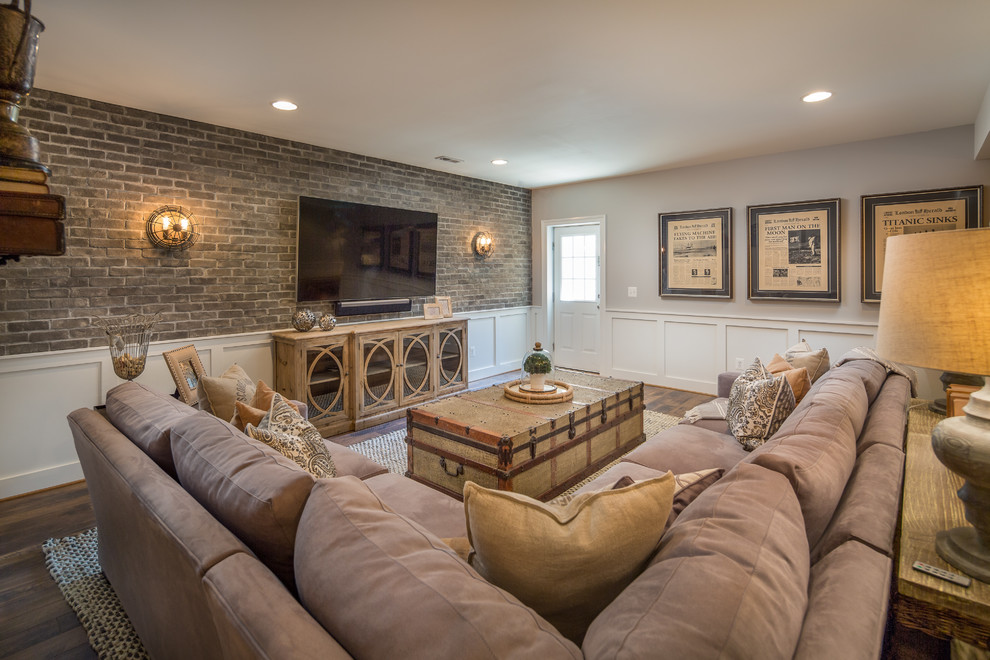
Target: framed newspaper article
794,251
891,214
696,253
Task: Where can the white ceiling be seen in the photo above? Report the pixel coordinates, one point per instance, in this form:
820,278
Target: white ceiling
566,90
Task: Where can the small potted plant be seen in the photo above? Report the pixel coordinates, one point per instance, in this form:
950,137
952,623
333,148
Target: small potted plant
536,365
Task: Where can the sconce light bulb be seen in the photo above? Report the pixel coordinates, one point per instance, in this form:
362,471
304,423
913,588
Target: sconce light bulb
166,223
184,223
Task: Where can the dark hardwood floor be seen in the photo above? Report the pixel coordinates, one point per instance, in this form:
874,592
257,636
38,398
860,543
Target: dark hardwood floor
36,622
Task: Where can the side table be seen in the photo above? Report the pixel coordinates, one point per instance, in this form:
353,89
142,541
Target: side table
923,602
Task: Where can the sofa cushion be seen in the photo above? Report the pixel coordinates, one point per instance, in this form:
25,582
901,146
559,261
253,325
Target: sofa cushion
146,418
886,422
873,374
348,462
285,431
256,617
687,448
816,447
847,605
815,361
729,580
869,506
218,394
385,587
556,559
440,514
256,492
758,404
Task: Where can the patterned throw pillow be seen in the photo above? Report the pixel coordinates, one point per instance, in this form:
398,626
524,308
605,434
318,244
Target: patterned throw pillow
759,402
285,431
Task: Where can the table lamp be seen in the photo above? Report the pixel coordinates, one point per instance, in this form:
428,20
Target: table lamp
935,313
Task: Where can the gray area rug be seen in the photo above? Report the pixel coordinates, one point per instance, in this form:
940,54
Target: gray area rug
75,566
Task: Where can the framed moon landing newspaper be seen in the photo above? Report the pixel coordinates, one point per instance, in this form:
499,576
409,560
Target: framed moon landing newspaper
696,253
892,214
794,251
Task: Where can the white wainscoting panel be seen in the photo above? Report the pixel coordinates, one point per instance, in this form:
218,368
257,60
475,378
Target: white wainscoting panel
481,344
748,342
635,348
505,335
690,354
837,341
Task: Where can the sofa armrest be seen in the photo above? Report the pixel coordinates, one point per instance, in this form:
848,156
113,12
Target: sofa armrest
725,380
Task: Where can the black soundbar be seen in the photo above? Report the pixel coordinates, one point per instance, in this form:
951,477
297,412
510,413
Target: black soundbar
356,307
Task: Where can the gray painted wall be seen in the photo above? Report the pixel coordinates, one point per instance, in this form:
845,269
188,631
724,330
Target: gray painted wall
631,204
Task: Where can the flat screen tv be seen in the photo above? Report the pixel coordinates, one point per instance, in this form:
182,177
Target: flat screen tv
360,252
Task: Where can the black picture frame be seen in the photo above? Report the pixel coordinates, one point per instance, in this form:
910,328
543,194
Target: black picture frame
793,251
696,253
909,213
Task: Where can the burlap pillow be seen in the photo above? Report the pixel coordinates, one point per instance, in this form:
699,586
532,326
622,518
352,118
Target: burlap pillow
758,404
217,395
567,563
798,379
801,355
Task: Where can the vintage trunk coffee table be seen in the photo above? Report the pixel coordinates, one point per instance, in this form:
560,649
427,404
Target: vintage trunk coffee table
535,450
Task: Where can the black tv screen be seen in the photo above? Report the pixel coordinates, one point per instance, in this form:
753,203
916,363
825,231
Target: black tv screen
349,251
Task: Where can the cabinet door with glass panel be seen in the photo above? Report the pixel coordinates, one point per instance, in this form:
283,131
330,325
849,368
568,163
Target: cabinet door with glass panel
451,357
415,376
378,356
327,385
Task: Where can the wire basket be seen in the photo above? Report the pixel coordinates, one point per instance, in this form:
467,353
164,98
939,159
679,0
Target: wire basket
129,337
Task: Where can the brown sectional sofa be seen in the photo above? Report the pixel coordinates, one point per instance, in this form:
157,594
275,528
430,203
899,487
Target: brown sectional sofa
220,547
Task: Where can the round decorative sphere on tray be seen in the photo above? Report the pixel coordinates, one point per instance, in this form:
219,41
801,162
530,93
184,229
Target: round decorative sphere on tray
518,391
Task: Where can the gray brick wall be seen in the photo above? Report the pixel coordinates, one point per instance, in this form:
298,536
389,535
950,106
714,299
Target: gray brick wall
115,165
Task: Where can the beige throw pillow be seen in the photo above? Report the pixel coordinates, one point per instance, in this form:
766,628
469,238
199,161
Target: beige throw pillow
801,355
798,379
567,563
292,436
217,395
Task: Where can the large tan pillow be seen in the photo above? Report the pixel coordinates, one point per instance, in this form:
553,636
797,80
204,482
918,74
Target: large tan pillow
801,355
799,379
567,563
217,395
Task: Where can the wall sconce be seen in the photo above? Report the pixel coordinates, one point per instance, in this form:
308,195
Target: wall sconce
483,244
171,228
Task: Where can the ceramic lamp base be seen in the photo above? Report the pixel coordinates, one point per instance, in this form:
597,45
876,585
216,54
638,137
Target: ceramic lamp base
961,547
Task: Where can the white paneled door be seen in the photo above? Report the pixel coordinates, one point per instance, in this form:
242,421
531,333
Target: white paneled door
577,292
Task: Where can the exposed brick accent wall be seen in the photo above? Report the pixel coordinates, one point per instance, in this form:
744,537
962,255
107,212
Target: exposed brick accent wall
115,165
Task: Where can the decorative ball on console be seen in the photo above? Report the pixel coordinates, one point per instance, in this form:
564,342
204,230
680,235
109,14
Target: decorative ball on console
327,323
303,320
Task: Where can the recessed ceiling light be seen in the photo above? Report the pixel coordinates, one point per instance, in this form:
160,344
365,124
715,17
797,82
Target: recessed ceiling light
285,105
500,161
815,97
